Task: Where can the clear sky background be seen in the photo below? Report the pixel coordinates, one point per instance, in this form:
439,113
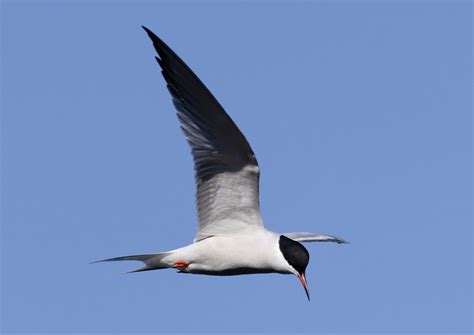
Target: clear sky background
359,114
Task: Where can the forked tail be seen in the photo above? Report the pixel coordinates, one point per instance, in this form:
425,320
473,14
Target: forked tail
151,261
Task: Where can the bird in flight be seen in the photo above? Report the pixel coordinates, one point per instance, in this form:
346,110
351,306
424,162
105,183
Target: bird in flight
231,238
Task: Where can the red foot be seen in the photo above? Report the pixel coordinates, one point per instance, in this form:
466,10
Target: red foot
181,264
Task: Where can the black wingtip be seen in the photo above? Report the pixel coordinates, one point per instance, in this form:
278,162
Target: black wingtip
150,34
161,48
337,240
148,31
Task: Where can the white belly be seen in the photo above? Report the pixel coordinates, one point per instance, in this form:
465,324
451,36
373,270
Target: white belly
253,252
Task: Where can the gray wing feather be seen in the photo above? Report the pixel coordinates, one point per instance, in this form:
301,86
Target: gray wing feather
226,169
314,237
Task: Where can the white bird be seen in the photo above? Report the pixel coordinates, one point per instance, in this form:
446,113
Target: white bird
231,238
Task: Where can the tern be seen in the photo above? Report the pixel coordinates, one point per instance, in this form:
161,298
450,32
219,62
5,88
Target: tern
231,238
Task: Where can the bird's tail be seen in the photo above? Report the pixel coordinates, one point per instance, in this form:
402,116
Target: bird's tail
150,261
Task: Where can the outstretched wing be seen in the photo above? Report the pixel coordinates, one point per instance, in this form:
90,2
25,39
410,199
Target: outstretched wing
226,170
313,237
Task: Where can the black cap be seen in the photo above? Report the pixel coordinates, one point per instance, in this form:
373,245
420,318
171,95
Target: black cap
295,254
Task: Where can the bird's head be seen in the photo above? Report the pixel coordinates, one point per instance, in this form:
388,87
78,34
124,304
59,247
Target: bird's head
297,257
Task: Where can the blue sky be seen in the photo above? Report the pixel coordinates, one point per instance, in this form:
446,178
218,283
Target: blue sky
360,114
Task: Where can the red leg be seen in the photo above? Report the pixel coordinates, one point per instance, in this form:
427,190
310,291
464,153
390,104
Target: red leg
181,264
